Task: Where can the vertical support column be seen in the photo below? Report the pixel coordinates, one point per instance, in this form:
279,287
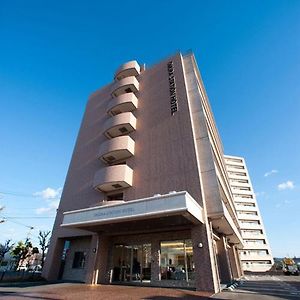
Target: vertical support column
90,274
101,273
233,263
205,277
225,270
53,259
239,263
155,261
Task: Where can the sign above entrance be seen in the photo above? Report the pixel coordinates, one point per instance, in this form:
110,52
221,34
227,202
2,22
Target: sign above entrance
180,203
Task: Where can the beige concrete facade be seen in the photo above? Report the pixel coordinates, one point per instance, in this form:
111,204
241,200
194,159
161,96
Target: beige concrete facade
256,255
157,191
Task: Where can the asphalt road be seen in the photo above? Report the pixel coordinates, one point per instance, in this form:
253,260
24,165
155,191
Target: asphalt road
265,287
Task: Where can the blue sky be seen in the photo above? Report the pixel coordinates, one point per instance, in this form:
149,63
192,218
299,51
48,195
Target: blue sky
53,54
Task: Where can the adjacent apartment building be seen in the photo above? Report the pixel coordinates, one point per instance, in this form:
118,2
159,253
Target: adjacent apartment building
147,198
256,255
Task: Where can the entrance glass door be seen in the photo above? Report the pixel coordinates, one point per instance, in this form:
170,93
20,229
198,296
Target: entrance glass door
132,263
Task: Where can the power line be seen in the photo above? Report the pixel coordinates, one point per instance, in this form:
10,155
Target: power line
29,217
18,223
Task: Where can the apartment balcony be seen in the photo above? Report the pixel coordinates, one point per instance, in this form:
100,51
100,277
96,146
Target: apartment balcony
116,149
255,247
250,226
234,163
246,208
113,178
235,168
235,176
240,184
248,217
121,124
248,257
249,236
124,103
257,267
241,192
125,85
131,68
244,200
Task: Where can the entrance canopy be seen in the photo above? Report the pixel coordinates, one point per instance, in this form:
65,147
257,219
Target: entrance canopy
178,205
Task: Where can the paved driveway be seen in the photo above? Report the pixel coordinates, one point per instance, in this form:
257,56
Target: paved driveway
265,287
107,292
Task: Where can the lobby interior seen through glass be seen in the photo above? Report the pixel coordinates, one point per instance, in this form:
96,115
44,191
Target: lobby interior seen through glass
176,260
132,263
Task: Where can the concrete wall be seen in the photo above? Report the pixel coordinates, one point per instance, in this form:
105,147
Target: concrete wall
77,274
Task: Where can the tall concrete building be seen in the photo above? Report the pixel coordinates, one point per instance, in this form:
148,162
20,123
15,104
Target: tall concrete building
147,198
256,255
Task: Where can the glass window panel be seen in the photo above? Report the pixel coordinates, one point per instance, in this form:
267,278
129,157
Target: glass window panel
177,260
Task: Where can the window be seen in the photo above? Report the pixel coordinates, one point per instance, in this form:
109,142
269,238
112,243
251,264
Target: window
114,197
177,260
240,188
233,160
123,129
79,260
235,166
116,186
243,196
239,180
128,90
109,158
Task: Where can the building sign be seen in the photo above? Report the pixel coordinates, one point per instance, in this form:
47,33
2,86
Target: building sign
172,88
114,212
179,203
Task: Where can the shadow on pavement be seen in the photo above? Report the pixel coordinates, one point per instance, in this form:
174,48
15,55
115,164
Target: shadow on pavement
40,295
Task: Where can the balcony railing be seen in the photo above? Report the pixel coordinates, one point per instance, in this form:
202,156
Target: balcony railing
131,68
113,178
124,103
125,85
116,149
121,124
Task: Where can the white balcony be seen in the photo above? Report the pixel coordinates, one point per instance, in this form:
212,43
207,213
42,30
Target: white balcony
250,226
255,257
116,149
248,217
255,246
113,178
246,208
121,124
257,267
124,103
249,235
131,68
125,85
241,192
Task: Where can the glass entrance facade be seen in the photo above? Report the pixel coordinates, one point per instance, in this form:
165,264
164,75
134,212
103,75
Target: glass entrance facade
132,263
176,260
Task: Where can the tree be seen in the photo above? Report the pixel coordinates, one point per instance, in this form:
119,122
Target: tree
44,242
22,251
4,248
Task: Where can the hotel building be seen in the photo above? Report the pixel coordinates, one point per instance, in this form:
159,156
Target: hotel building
147,198
256,255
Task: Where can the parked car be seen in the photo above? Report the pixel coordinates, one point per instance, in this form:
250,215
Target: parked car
37,268
289,267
